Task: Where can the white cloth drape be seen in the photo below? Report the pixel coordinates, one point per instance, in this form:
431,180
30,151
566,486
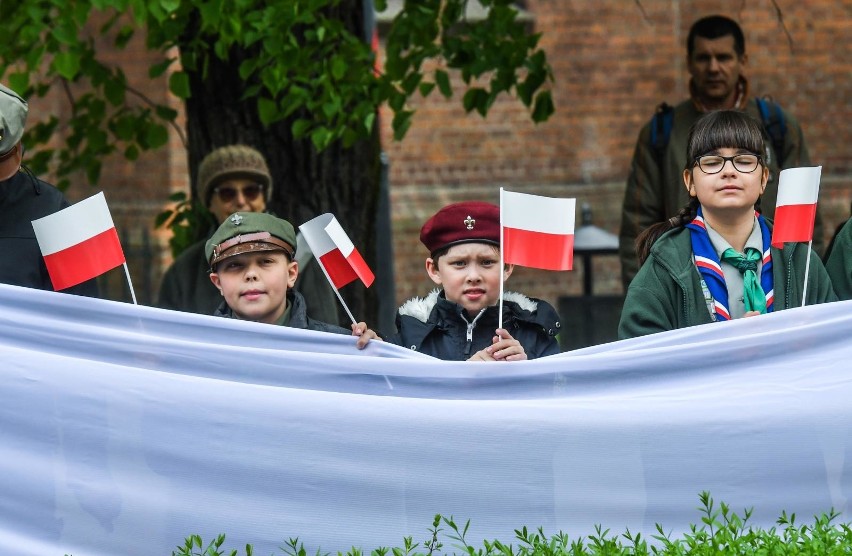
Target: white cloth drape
124,429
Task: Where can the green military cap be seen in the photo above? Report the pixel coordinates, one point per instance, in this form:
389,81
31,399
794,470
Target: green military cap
243,232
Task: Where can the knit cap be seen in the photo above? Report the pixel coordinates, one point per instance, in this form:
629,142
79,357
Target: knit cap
233,161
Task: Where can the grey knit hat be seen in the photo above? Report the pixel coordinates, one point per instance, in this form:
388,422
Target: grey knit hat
233,161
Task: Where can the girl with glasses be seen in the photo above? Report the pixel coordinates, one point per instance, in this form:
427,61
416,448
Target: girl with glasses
713,260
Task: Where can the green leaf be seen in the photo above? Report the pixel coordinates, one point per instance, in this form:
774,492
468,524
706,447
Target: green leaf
67,65
426,88
65,34
321,137
114,90
338,68
170,6
156,136
156,70
300,127
131,152
401,123
543,108
442,78
179,84
267,110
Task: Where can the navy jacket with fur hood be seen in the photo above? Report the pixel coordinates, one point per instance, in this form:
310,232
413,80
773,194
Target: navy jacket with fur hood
442,329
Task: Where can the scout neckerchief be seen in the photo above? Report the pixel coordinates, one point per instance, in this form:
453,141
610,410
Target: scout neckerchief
708,265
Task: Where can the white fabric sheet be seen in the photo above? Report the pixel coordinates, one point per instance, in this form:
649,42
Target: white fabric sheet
124,429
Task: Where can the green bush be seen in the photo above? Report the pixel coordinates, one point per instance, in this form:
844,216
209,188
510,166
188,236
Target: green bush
721,532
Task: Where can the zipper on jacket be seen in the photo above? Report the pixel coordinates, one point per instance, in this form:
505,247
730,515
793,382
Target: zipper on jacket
470,326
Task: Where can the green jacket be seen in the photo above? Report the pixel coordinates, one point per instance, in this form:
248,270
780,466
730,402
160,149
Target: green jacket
187,287
839,262
666,293
655,190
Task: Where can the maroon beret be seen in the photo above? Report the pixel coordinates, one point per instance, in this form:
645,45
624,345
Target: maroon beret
462,223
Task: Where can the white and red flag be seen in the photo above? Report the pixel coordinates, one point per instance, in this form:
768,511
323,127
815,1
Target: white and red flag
798,191
537,231
335,251
79,242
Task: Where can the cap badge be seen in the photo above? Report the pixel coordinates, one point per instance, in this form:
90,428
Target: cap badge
469,222
237,219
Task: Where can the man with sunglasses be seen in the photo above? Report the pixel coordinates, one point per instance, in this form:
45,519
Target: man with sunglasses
24,198
716,60
233,179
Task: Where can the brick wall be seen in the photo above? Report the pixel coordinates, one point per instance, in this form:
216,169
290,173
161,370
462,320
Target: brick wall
614,61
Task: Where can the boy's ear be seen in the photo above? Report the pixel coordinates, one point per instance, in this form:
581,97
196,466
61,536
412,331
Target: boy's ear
215,279
432,270
292,273
507,271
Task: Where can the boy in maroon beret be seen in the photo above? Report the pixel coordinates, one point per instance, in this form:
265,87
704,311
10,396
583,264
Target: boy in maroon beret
458,321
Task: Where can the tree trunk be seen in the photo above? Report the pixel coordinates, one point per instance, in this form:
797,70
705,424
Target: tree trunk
344,182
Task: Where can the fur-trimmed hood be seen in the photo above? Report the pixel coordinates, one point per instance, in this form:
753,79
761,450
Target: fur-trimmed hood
421,307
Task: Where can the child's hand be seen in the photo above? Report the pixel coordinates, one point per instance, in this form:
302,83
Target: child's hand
751,314
503,348
364,334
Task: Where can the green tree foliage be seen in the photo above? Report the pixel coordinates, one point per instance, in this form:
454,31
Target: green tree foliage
304,67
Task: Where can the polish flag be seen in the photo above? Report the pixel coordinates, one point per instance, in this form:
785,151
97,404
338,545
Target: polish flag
335,251
79,242
798,191
538,232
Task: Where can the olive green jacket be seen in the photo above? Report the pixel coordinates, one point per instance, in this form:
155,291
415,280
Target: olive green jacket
839,262
666,293
655,190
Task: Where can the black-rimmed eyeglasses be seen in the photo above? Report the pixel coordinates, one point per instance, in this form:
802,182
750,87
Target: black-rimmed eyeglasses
713,164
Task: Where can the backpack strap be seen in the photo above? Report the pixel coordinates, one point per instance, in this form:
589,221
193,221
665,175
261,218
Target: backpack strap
773,121
661,129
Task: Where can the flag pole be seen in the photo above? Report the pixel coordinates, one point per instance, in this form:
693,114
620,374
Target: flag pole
336,291
130,283
500,305
807,270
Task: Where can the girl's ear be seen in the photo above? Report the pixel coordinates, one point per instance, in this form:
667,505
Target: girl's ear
432,270
689,183
764,180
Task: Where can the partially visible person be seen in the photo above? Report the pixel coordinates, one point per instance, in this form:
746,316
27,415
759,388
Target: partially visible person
232,179
716,59
459,320
713,260
839,261
252,258
24,198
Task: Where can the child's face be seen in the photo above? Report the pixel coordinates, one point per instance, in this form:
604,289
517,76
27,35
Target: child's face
731,191
470,275
255,284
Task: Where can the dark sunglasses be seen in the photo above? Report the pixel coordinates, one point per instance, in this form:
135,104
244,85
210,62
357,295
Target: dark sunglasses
249,192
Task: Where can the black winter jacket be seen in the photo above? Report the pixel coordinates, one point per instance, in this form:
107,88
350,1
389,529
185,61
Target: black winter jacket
440,328
24,198
298,315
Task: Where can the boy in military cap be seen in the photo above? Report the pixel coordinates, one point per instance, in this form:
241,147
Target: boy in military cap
252,259
459,321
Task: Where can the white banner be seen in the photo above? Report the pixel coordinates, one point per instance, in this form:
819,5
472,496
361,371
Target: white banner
124,429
